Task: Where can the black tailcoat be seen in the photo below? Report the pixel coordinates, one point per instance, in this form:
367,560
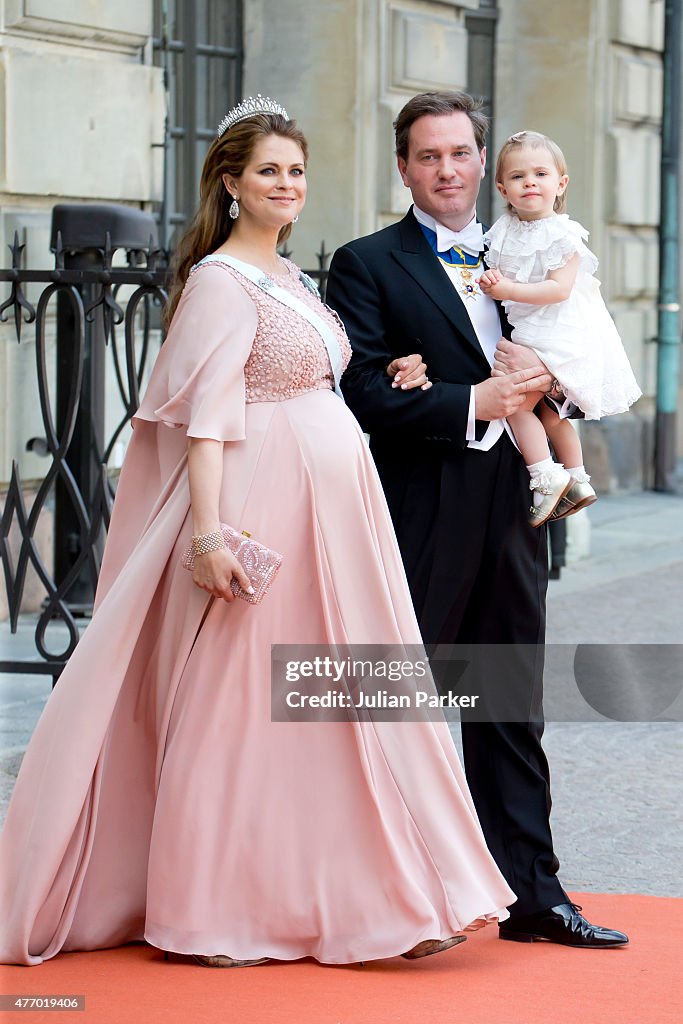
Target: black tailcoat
476,569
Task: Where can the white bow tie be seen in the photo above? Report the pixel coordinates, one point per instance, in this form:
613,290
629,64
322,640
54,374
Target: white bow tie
470,239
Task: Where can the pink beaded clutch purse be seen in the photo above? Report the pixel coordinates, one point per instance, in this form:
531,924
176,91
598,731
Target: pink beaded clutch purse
259,563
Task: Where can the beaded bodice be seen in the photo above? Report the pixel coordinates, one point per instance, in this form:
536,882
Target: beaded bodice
288,356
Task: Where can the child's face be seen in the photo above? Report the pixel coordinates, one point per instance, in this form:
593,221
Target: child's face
531,182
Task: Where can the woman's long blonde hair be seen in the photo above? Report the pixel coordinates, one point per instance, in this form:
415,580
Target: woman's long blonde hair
212,224
535,140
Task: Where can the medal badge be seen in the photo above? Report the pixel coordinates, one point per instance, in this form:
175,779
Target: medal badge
469,288
466,265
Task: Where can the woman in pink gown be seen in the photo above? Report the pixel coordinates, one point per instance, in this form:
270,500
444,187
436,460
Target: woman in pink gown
157,800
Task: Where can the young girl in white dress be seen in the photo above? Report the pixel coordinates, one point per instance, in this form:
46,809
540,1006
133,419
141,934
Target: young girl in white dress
542,271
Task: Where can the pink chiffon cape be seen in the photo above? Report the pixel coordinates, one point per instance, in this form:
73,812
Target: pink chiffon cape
157,800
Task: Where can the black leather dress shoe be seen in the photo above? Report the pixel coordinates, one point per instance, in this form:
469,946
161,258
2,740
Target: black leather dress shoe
563,924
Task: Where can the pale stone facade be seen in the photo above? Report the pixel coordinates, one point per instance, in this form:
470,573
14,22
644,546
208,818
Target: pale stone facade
83,110
345,69
590,76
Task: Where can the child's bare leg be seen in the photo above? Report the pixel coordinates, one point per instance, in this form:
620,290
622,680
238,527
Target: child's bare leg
548,482
564,438
567,448
529,431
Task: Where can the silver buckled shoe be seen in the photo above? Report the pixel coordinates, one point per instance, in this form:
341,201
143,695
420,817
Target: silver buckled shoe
552,486
580,495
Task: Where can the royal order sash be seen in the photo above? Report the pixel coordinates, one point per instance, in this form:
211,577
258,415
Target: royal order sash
268,285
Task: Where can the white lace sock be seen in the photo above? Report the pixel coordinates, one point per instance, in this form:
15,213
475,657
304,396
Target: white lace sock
544,466
578,474
535,469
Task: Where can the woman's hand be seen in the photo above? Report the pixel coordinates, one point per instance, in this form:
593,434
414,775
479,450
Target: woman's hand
214,571
409,372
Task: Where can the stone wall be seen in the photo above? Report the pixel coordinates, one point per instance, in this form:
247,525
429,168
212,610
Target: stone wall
593,82
82,111
345,70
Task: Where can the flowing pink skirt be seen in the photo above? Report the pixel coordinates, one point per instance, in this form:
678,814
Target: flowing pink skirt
157,799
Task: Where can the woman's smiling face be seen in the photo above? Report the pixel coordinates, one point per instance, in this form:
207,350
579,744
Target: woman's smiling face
271,189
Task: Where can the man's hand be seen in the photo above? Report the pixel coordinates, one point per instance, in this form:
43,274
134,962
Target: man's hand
499,397
409,372
493,283
509,358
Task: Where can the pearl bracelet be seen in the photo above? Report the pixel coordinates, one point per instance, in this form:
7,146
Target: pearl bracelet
208,542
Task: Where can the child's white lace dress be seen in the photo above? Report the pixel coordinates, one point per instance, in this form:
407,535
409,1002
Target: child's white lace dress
576,339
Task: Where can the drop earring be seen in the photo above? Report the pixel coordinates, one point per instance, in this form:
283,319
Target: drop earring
295,219
234,210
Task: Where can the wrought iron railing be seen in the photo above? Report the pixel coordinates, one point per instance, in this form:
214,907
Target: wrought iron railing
91,299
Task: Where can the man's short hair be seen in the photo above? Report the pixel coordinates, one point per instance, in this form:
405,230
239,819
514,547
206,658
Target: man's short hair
438,104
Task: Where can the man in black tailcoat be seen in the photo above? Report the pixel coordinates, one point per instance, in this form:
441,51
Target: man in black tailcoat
457,488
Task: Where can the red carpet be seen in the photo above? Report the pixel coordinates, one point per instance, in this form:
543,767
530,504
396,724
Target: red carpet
484,981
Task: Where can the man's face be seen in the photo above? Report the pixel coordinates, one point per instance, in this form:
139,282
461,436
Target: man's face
444,167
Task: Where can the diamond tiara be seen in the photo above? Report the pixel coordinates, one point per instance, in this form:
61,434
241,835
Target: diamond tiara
247,108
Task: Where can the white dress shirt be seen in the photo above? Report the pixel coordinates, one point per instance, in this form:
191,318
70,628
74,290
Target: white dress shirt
483,314
485,319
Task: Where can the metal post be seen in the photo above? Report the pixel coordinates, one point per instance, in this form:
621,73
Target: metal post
481,24
88,234
85,452
557,534
166,64
668,330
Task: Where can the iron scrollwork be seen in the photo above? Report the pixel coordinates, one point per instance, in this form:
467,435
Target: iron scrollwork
131,355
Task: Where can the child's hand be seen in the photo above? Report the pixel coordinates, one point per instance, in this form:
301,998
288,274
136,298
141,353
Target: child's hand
494,284
488,279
